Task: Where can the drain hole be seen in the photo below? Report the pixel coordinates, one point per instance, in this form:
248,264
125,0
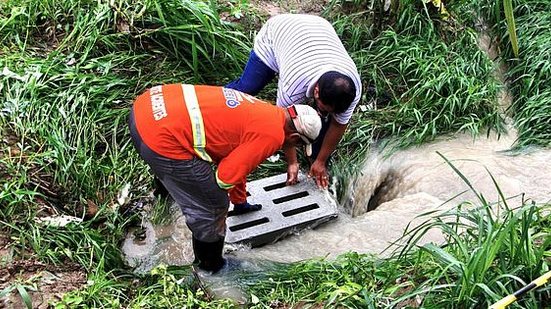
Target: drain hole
275,186
290,197
386,191
249,224
299,210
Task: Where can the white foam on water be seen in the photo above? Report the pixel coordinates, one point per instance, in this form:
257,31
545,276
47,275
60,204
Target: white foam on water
403,186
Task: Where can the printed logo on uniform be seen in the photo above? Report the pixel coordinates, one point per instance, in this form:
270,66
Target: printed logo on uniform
158,103
234,97
231,98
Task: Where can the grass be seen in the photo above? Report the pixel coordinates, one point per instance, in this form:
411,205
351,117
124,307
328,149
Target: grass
65,106
86,244
21,291
528,72
164,287
69,73
438,88
490,251
350,281
530,75
70,70
436,79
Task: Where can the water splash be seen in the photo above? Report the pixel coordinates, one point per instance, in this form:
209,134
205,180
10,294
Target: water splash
390,193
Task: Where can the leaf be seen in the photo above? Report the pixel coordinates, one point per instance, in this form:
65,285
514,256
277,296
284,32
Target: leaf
511,27
6,291
254,299
444,257
25,296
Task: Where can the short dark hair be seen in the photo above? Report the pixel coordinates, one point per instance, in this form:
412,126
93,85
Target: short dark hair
336,90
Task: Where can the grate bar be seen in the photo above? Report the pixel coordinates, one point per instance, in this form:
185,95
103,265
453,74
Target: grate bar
285,209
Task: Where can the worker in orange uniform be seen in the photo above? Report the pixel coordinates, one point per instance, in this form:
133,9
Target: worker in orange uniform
180,130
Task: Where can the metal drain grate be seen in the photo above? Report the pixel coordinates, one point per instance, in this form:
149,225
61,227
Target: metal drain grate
285,209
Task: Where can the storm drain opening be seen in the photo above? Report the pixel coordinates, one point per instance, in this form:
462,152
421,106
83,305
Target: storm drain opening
232,213
248,224
384,192
300,210
275,186
290,197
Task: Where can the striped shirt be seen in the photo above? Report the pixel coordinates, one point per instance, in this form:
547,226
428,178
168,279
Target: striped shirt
301,48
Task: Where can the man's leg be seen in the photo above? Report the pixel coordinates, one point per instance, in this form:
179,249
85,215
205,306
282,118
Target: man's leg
192,185
255,77
208,255
159,189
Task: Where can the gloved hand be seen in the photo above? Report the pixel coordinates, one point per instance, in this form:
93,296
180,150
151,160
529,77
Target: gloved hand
243,208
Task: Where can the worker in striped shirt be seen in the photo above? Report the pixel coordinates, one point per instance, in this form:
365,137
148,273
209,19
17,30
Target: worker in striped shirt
313,67
182,130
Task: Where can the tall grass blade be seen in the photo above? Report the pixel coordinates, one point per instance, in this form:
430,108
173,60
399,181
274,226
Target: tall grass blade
511,27
24,296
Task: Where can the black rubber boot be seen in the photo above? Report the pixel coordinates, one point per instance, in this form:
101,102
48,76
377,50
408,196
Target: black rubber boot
208,255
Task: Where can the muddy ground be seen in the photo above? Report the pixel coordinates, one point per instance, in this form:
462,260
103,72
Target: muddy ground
43,283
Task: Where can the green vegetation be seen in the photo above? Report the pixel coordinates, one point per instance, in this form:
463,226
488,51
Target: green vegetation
70,70
165,287
436,79
529,75
490,252
529,69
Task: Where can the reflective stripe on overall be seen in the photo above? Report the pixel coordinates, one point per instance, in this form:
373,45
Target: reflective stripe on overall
198,129
196,118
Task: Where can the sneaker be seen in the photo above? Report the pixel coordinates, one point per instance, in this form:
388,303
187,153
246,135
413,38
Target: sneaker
243,208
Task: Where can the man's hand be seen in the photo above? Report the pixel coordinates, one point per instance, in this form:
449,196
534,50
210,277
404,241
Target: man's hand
292,173
318,172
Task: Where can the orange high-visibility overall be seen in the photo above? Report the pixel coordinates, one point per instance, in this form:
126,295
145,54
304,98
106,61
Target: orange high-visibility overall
231,129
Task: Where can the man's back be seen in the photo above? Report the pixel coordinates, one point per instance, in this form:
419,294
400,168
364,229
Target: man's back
177,120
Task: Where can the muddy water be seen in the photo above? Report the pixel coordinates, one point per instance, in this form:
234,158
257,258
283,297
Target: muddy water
395,189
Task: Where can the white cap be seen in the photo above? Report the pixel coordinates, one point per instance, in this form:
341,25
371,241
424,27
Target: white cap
307,122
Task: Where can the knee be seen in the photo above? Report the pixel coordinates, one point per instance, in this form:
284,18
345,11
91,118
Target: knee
206,230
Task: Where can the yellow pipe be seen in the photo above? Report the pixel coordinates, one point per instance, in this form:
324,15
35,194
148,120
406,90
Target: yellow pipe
506,301
543,279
